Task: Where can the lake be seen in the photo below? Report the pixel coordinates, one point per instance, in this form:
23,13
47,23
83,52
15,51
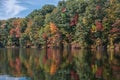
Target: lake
56,64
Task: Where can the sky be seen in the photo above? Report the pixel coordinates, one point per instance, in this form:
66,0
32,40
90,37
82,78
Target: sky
21,8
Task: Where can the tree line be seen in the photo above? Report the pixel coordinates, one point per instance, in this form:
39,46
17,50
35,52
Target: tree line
72,23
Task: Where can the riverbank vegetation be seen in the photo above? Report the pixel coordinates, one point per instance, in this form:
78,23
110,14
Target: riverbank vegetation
72,23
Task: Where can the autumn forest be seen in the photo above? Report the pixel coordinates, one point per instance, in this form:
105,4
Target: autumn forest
72,24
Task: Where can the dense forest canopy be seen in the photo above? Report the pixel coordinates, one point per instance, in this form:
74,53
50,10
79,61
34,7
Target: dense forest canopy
71,22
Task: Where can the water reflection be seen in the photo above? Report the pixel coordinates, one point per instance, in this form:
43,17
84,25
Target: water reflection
6,77
55,64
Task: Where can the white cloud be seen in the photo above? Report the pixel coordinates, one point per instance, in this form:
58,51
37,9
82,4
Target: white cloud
10,8
31,2
20,8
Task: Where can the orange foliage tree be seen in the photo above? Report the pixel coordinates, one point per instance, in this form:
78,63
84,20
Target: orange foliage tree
15,31
53,28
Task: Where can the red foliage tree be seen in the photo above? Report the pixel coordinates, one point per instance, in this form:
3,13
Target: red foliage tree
74,75
17,29
74,20
15,32
99,25
114,30
98,7
44,36
117,23
12,32
63,10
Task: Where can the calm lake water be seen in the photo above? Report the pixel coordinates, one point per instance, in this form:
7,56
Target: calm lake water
55,64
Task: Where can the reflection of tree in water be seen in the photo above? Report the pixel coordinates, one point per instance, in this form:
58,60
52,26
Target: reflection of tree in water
38,64
82,65
52,61
100,66
26,58
56,64
114,61
3,61
15,64
103,64
95,65
32,63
